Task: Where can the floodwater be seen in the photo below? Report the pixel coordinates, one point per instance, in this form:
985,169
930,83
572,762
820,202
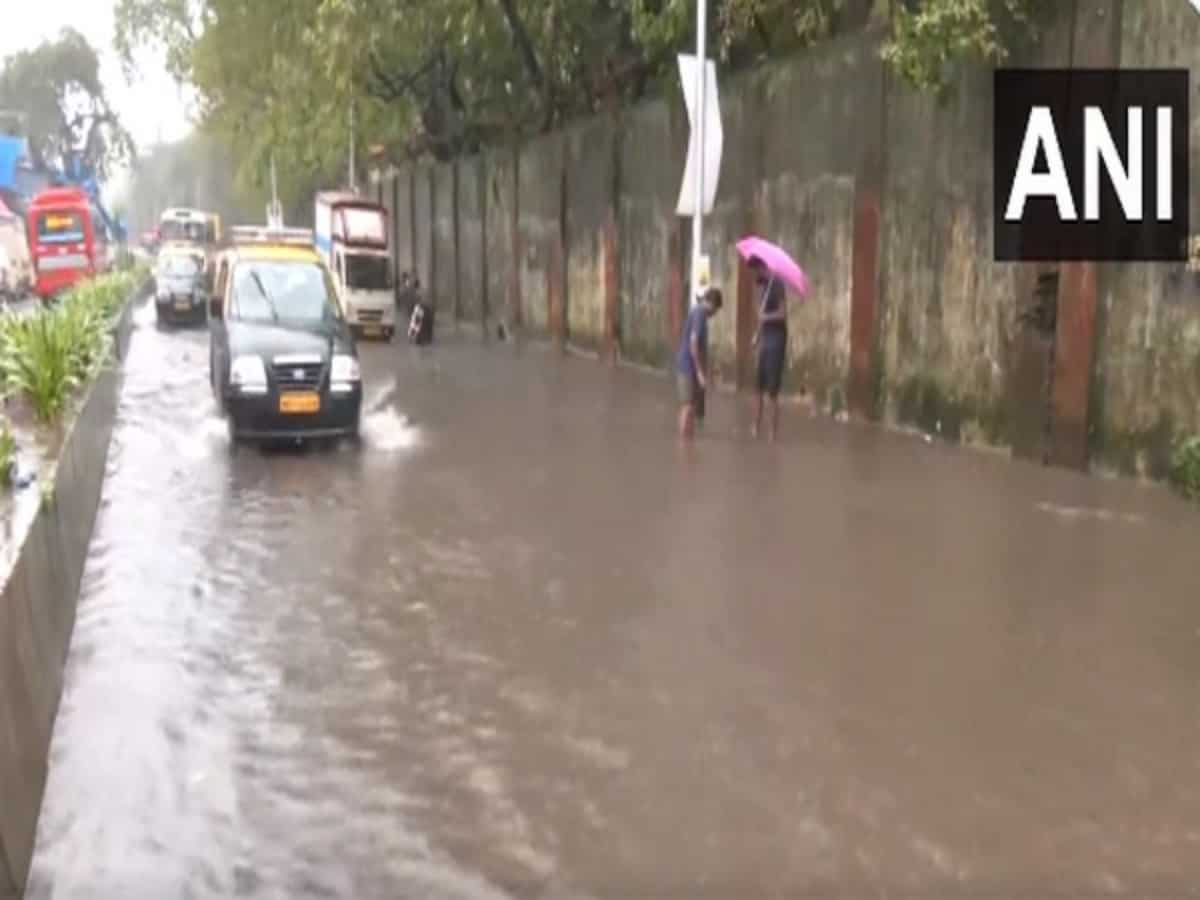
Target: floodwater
520,645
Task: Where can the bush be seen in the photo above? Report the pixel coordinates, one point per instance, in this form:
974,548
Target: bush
1185,467
47,355
8,454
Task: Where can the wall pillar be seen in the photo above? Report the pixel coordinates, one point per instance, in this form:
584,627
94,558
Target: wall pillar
1097,44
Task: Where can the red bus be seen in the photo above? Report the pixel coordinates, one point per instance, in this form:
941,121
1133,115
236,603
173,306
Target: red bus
66,240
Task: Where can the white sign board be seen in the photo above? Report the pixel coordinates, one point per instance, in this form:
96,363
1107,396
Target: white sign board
714,136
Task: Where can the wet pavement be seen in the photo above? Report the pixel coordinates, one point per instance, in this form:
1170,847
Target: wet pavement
519,644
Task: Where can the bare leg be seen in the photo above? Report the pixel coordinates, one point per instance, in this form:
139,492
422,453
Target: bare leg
774,418
685,422
758,411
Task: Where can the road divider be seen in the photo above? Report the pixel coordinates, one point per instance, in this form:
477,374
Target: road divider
60,366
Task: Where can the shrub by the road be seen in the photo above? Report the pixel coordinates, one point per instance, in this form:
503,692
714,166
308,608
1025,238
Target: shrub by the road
8,453
1185,467
48,354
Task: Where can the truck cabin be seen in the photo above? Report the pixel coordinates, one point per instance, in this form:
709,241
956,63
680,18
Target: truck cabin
359,238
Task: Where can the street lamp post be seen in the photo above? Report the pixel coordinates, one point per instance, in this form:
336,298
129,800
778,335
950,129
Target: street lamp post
701,85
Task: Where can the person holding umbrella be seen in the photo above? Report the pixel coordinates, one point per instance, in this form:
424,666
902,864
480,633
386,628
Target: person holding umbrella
773,271
770,342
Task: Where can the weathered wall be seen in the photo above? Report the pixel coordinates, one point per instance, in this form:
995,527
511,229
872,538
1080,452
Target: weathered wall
885,197
500,172
471,224
646,231
443,280
37,614
590,169
808,198
422,235
402,224
947,304
1147,380
539,179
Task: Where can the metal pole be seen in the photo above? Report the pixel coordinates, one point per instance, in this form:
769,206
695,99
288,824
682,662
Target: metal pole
353,185
701,84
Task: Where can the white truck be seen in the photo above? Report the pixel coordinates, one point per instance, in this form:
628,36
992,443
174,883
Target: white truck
352,234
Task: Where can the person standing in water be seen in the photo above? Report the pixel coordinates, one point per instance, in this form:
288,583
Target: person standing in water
691,361
770,341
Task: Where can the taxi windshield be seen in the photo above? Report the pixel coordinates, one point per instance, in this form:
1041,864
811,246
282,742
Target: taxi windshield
274,291
173,230
179,267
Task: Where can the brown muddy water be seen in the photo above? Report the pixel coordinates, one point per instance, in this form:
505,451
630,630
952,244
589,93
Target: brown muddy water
518,645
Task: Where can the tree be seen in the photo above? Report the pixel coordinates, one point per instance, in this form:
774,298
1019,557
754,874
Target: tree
929,36
57,91
444,77
172,26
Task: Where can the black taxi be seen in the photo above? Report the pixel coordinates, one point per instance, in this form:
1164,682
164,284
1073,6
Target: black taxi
282,359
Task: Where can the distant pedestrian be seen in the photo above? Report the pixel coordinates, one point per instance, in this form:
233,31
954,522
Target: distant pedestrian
403,294
691,362
770,340
420,324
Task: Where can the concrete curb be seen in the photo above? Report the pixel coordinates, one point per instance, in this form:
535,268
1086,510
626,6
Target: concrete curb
37,613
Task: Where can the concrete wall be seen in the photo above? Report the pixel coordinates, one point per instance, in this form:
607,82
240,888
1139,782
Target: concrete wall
500,179
403,251
590,169
443,282
471,220
539,189
647,234
422,235
885,197
37,614
1147,374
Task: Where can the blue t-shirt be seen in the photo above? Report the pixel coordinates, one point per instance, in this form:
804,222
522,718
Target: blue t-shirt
696,324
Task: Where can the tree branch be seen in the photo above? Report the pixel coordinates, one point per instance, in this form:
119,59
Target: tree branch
524,43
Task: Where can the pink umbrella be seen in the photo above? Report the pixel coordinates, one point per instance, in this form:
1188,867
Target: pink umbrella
777,262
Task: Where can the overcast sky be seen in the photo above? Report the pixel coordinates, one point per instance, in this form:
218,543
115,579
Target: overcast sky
151,108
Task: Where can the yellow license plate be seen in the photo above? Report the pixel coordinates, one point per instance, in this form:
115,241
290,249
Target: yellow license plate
182,306
372,330
301,402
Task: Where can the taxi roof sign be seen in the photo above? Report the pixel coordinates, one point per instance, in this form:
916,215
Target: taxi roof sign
261,234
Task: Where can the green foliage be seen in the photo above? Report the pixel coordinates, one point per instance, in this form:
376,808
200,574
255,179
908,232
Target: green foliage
56,89
443,77
8,453
1185,467
46,355
926,42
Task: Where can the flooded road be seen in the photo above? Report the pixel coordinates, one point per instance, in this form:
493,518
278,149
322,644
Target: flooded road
519,645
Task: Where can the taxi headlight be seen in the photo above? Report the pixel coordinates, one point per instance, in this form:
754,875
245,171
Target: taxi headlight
344,373
249,375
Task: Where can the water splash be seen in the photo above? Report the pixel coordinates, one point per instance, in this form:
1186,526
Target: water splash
383,426
389,430
145,316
